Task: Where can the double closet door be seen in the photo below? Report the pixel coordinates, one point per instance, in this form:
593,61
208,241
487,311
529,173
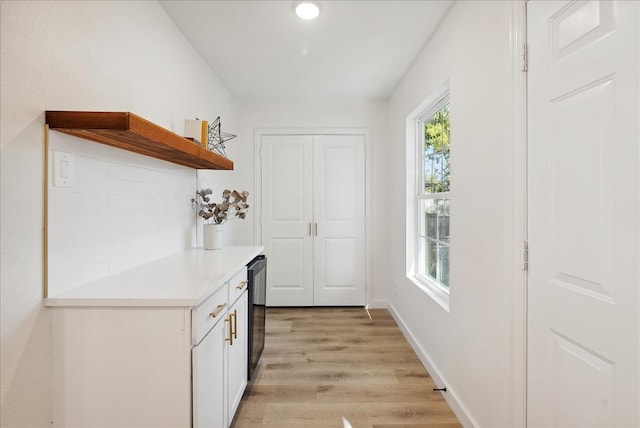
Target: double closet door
313,219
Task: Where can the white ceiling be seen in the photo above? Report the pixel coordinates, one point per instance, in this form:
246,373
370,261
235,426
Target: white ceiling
355,49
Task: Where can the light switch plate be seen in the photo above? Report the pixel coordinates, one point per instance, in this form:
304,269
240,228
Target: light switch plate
63,169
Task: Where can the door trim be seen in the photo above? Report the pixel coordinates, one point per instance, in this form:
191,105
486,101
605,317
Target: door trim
518,39
366,132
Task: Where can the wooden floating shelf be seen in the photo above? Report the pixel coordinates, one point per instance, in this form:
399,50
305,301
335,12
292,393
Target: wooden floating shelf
128,131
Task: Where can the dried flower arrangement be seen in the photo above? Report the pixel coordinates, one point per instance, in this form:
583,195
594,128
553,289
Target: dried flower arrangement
218,213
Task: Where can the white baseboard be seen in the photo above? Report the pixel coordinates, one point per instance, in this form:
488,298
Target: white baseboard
379,304
450,395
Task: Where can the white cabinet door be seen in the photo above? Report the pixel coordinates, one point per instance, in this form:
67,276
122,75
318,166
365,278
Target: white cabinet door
313,219
219,366
209,372
237,353
583,303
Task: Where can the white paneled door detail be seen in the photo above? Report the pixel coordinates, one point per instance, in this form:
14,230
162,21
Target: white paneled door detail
583,365
287,213
313,219
339,271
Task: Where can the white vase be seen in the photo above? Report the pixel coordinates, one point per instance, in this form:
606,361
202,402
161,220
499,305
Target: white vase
212,236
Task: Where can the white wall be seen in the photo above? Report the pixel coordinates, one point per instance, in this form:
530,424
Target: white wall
111,56
335,113
476,348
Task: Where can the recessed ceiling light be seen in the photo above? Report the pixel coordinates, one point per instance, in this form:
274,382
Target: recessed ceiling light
307,9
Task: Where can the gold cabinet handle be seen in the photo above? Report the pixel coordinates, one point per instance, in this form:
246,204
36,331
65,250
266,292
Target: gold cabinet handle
217,311
230,338
242,284
309,229
316,229
235,324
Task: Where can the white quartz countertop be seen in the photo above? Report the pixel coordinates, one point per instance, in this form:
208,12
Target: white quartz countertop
186,278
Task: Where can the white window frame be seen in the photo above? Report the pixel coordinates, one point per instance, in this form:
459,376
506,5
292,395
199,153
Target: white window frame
416,194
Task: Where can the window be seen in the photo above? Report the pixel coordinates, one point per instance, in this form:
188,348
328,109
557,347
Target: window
433,203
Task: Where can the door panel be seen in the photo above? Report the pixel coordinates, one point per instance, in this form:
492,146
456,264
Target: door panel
582,376
340,257
339,212
289,284
313,219
584,193
238,354
287,213
208,382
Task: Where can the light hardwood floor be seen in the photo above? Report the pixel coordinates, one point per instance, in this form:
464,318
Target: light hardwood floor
322,364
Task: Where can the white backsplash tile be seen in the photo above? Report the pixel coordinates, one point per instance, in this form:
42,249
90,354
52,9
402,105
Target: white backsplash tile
122,210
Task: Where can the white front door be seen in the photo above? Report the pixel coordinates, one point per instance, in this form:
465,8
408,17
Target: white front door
313,225
584,222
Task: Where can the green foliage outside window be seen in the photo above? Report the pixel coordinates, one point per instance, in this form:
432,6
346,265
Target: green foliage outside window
437,159
435,206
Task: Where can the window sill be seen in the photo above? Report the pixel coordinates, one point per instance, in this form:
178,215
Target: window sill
432,290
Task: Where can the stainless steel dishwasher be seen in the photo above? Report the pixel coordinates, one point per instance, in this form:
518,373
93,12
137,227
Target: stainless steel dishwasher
257,277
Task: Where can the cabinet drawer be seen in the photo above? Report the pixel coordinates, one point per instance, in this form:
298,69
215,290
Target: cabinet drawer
237,285
208,314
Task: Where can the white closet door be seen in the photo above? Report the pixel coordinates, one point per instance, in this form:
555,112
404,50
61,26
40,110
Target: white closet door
584,328
313,219
287,216
339,201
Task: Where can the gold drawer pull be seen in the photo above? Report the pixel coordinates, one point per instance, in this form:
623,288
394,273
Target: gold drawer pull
242,284
217,311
